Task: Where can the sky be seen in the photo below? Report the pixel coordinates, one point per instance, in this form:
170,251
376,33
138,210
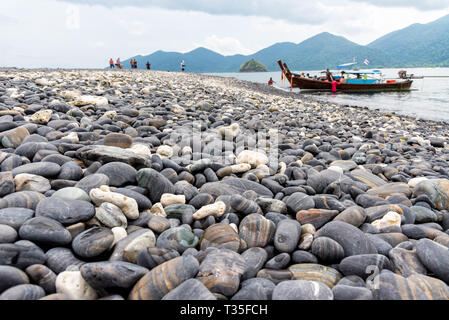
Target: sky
86,33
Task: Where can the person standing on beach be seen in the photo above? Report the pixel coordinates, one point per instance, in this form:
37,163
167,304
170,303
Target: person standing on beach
329,76
148,65
111,63
182,65
135,64
118,63
131,62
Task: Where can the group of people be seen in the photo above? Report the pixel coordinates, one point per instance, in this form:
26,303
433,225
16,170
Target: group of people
118,64
133,63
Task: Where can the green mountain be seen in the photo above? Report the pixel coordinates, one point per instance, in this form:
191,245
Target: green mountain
417,45
252,66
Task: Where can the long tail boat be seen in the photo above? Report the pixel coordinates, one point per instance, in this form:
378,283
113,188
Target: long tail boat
358,84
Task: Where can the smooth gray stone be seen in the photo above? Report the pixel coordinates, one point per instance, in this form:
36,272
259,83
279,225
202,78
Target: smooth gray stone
58,259
92,181
364,265
435,257
300,256
11,276
142,201
112,274
92,242
45,230
23,292
191,289
44,169
156,183
119,173
71,171
42,276
353,281
302,290
353,241
299,201
255,289
255,259
287,235
343,292
21,254
278,262
7,234
390,286
66,211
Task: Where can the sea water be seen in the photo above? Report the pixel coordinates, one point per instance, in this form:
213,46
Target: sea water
428,99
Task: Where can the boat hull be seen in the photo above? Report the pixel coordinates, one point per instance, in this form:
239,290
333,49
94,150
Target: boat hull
319,85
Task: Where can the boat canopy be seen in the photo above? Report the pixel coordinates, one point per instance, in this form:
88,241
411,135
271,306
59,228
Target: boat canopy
363,71
346,65
356,71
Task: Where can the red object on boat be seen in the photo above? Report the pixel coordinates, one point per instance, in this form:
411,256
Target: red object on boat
391,81
334,86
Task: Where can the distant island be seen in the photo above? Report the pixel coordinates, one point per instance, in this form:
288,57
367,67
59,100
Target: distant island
252,66
419,45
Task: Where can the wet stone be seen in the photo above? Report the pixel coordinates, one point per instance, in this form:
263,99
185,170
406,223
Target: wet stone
92,242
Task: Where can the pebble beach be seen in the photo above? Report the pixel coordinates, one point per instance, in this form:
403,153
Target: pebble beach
151,185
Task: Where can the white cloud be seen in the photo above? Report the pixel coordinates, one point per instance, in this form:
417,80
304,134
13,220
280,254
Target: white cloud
225,45
45,33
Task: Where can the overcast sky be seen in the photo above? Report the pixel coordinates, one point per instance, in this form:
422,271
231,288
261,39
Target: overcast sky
86,33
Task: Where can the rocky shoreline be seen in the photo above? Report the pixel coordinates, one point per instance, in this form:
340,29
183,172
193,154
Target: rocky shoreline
159,185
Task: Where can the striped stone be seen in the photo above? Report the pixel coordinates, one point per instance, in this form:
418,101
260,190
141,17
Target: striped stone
220,235
164,278
315,272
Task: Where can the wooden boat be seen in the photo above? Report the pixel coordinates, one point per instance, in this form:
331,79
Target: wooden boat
352,85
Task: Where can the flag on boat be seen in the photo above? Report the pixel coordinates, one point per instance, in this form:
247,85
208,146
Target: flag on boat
366,62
